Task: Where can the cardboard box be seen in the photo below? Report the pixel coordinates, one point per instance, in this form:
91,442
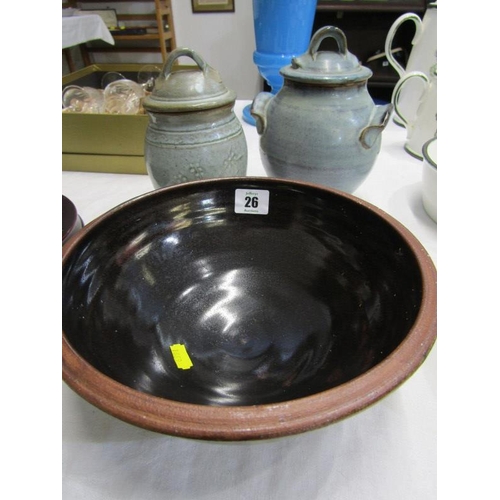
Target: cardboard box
101,142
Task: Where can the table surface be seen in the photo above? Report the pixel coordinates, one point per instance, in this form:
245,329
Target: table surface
78,29
386,452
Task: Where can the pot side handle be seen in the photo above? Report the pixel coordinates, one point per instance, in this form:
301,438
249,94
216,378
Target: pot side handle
378,122
259,110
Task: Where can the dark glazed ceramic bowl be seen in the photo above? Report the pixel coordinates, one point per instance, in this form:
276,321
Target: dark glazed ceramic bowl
188,313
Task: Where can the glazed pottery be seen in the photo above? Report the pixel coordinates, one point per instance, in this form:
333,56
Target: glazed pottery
193,132
423,55
282,31
423,126
243,308
322,126
429,178
71,220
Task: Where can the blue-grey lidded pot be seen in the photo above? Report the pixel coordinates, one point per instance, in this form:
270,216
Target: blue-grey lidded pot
322,126
193,132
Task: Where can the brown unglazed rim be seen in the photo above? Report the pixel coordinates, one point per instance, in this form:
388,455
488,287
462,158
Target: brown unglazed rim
235,423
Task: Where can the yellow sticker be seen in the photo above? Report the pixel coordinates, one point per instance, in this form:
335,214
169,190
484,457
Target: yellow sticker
181,357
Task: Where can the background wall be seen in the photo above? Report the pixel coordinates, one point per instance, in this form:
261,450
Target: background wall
225,40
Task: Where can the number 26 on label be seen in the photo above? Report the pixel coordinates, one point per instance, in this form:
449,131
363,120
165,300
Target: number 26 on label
251,201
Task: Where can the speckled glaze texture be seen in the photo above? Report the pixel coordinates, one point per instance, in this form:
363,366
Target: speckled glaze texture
292,320
182,147
193,133
314,135
323,125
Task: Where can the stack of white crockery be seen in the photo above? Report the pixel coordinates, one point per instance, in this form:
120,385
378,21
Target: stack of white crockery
415,98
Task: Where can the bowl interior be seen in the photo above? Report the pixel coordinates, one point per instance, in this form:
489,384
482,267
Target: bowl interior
269,308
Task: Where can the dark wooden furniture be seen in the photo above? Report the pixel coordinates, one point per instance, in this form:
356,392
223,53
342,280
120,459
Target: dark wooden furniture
149,32
366,24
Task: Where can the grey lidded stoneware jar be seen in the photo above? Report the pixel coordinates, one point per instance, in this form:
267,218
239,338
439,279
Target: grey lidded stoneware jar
322,126
193,132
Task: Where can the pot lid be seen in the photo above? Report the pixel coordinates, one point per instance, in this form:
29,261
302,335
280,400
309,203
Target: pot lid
327,67
196,88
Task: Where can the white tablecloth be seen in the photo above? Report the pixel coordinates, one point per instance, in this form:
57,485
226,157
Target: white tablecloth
79,29
387,452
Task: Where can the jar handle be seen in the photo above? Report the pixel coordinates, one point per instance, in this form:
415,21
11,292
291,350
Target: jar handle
410,16
176,53
328,32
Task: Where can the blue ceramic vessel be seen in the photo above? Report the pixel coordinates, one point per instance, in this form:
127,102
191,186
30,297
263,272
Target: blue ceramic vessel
282,31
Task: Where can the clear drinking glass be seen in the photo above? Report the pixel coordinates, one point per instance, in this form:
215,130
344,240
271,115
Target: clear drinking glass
123,97
147,76
76,99
109,77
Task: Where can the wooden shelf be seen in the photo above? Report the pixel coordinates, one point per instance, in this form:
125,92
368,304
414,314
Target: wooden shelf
147,36
127,49
161,20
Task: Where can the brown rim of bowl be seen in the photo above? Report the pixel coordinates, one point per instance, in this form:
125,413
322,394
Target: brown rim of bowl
236,423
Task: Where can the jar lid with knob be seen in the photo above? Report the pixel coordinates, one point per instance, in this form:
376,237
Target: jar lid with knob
191,88
327,67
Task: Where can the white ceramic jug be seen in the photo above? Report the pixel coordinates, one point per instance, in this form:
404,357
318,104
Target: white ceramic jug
423,126
423,55
429,178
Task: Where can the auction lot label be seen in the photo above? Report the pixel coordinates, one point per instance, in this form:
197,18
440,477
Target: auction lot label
251,201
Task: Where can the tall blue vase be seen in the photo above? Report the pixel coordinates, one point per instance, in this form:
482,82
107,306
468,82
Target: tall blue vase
283,30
